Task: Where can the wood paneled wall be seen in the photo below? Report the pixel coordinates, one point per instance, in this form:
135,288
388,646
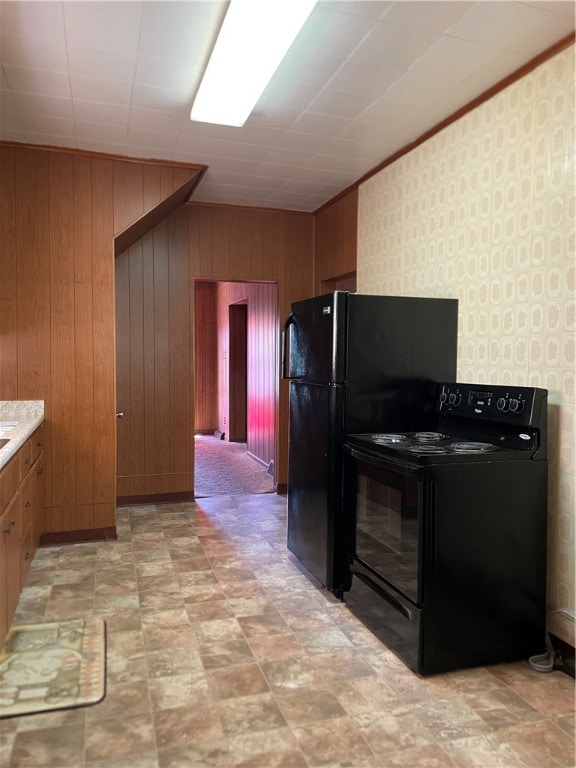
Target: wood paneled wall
205,356
59,213
154,360
257,245
219,244
263,362
335,235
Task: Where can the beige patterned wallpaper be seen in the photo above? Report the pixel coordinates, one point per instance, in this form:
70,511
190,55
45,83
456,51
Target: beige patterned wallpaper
484,212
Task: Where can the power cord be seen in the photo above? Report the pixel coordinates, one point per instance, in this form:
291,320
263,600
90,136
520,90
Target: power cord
544,662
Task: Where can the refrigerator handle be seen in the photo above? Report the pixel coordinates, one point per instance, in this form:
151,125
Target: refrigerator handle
285,353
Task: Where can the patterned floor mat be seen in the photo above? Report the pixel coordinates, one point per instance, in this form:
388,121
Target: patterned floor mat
53,666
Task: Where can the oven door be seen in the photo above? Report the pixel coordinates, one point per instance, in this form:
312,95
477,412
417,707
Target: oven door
384,505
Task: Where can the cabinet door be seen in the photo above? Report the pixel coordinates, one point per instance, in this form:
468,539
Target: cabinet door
27,511
10,531
27,501
39,521
26,552
4,548
10,477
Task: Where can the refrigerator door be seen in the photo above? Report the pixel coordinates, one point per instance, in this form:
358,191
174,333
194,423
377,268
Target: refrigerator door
313,339
314,479
398,348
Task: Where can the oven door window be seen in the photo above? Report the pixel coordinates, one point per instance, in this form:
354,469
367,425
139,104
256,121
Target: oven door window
387,526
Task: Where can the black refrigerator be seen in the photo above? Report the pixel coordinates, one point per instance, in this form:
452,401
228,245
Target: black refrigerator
356,363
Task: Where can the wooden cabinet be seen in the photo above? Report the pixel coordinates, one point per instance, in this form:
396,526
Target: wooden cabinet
21,522
39,520
10,477
26,549
10,585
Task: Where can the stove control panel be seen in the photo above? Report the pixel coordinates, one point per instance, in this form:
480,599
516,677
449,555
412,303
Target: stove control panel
484,402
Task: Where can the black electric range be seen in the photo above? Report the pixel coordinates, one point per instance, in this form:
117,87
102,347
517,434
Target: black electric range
445,533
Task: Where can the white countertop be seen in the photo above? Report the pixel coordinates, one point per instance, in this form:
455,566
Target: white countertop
27,415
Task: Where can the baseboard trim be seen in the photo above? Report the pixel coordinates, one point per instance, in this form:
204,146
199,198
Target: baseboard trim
77,537
155,498
257,459
566,651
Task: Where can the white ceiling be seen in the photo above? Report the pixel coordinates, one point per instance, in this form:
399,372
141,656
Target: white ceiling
363,79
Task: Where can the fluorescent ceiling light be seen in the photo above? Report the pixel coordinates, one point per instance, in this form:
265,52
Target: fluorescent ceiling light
254,38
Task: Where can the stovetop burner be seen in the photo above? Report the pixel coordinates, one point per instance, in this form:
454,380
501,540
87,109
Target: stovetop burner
389,439
425,437
426,449
428,443
471,446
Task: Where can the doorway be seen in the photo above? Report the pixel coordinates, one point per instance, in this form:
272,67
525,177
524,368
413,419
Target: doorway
236,343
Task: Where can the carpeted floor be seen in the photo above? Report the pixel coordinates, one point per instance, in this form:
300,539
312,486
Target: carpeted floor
222,468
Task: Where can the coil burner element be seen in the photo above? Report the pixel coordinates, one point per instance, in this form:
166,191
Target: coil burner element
389,439
425,437
471,447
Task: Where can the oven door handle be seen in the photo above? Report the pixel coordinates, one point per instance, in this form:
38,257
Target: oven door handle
385,463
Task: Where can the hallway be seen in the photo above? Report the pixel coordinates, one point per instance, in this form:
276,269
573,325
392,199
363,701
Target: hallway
224,468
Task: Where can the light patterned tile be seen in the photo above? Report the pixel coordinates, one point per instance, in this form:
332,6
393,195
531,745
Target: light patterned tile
236,680
331,741
50,747
182,690
305,705
269,748
165,662
247,714
120,738
524,746
188,726
123,699
173,636
228,674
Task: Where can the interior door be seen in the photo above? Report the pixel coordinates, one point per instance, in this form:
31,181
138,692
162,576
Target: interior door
238,373
153,369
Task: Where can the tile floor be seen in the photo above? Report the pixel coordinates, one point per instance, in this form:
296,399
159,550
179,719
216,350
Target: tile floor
222,652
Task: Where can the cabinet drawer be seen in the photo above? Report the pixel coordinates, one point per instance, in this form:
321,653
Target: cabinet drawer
26,454
31,449
10,477
36,443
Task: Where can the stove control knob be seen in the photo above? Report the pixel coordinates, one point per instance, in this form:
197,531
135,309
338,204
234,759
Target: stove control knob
452,399
502,404
516,406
